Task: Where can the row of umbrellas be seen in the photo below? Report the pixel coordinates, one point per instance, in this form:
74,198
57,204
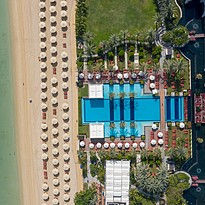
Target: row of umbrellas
52,9
154,142
45,187
43,65
55,151
55,201
54,131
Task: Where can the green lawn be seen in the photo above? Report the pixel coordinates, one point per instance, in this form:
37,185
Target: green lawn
108,17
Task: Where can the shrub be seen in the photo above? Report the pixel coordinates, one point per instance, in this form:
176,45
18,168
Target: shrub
121,54
132,137
110,55
200,140
112,138
198,109
122,137
111,82
80,84
142,137
142,82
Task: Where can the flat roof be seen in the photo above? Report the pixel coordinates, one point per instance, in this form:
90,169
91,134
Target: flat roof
96,130
95,90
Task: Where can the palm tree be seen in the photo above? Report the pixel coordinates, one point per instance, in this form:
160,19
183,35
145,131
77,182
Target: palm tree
122,95
114,41
122,124
181,153
88,37
90,49
158,19
111,95
104,45
150,38
172,153
93,201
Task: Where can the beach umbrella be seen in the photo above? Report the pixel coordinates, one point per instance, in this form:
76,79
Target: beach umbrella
55,182
115,67
65,136
54,131
54,121
54,101
44,156
65,116
134,145
82,143
127,145
142,144
54,80
53,29
65,106
153,142
42,25
134,75
42,45
54,90
152,77
141,73
45,186
106,145
53,59
119,75
91,145
53,50
66,197
152,85
90,76
112,145
42,5
43,106
65,126
63,24
56,192
66,177
66,187
160,141
53,39
64,54
126,75
42,35
52,9
55,162
52,19
42,65
42,15
66,167
44,126
64,75
64,85
154,126
66,147
66,157
54,141
43,96
63,13
55,151
43,75
55,171
81,75
43,86
97,76
119,145
45,196
160,134
55,201
44,136
64,65
181,125
99,145
44,146
42,55
63,3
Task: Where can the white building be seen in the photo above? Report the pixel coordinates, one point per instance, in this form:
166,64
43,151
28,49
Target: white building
117,182
95,90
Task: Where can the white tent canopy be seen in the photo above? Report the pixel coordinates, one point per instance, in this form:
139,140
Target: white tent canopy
142,144
181,125
95,90
160,134
106,145
153,142
96,130
82,144
152,77
152,85
160,141
112,145
91,145
134,145
154,126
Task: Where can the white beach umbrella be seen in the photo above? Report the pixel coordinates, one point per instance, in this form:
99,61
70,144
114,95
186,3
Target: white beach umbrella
54,101
63,3
44,136
42,45
64,54
42,5
65,116
154,126
134,145
54,80
66,187
64,65
42,25
153,142
142,144
56,192
63,13
53,50
97,76
55,151
112,145
42,15
54,90
64,75
53,29
82,143
42,55
42,35
55,162
126,75
53,39
160,141
54,141
43,86
54,121
53,59
141,73
91,145
65,147
55,171
45,186
43,75
55,202
160,134
65,136
65,106
106,145
42,65
66,197
81,75
45,196
44,126
65,126
63,24
119,145
55,182
66,177
44,156
99,145
64,85
152,85
152,77
134,75
43,106
90,76
43,96
44,146
181,125
119,75
52,9
66,157
66,167
127,145
54,131
52,19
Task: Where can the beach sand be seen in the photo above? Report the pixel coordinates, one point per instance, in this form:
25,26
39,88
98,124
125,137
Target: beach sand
25,51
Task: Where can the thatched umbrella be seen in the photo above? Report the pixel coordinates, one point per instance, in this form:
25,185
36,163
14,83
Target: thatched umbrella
44,136
65,106
53,59
42,25
55,162
42,5
42,35
42,65
44,126
63,13
52,19
43,86
65,136
53,50
45,196
63,24
43,96
54,80
42,45
55,151
55,182
53,39
65,126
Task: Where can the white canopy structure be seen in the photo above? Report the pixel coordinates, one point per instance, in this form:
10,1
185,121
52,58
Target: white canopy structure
54,90
181,125
55,171
65,147
53,39
82,143
44,126
152,77
55,141
66,157
54,131
66,187
64,75
42,5
95,90
152,85
154,126
55,201
53,59
81,75
64,54
91,145
44,146
66,177
142,144
154,91
42,65
43,75
65,126
54,121
134,145
42,25
64,65
52,9
66,197
119,76
98,76
65,116
42,55
112,145
160,141
63,3
43,106
153,142
160,134
65,106
44,156
106,145
141,73
119,145
54,101
96,130
42,45
42,15
115,67
53,50
64,85
127,145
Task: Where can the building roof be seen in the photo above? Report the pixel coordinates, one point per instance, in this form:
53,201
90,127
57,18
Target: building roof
117,182
95,90
96,130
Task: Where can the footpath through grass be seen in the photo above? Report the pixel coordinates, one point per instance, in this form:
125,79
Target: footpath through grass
108,17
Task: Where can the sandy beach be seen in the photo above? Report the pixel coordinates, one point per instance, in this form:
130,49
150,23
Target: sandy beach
24,16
